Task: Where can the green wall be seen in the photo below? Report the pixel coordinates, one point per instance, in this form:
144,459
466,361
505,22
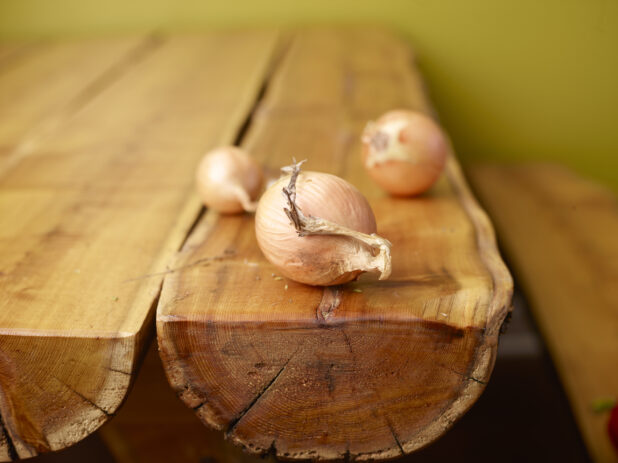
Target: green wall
512,80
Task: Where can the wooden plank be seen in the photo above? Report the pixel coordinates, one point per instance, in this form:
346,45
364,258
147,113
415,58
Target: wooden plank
560,233
396,363
90,218
43,83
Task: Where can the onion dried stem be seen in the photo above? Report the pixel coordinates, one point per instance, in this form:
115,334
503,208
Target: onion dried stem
384,145
309,225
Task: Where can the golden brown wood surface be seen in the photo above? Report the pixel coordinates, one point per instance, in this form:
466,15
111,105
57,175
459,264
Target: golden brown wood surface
369,370
42,84
561,234
99,144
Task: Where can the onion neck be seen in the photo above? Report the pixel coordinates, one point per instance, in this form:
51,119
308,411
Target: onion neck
243,198
384,144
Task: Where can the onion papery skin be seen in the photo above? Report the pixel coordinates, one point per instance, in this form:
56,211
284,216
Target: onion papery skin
421,146
223,174
321,260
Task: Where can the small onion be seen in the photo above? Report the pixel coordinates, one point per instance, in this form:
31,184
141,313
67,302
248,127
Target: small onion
229,180
318,229
404,152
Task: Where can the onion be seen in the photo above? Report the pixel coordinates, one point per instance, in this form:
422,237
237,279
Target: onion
229,180
318,229
404,152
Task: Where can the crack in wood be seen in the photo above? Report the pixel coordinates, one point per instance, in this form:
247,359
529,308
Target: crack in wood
10,445
86,399
347,340
118,371
204,261
244,128
83,397
232,425
95,87
192,227
238,139
472,378
463,375
272,450
240,136
505,323
133,57
197,407
397,441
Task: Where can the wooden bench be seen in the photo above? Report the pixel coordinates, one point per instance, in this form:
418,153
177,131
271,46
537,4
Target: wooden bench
560,233
100,141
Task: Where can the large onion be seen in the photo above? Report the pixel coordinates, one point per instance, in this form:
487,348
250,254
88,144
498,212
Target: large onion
318,229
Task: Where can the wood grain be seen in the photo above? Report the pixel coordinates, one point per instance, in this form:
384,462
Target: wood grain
560,233
369,370
153,426
95,207
42,84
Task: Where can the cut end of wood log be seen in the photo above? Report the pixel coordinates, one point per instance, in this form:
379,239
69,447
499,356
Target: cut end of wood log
55,390
326,390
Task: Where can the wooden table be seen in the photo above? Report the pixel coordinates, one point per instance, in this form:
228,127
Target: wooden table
560,232
100,139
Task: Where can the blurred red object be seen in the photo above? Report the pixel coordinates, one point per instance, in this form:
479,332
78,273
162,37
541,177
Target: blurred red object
612,427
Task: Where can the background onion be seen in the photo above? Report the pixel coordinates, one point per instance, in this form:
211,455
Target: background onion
404,152
229,180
